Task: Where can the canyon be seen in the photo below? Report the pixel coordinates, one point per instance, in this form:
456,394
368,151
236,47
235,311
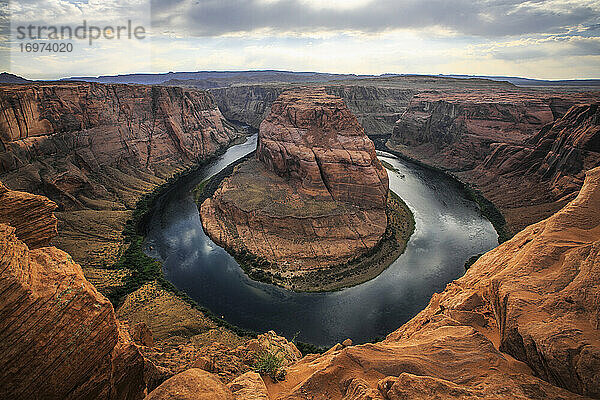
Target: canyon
314,198
96,149
76,157
466,127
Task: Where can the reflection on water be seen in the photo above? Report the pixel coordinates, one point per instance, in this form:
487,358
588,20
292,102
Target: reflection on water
449,229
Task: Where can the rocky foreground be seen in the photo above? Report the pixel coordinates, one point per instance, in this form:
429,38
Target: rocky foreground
59,337
523,323
314,197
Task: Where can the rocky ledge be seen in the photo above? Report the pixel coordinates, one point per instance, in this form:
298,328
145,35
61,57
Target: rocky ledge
314,198
59,337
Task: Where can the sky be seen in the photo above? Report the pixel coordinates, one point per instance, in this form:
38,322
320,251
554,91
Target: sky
554,39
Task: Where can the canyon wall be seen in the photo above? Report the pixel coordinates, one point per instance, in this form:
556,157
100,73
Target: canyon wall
314,197
59,338
95,149
376,108
525,161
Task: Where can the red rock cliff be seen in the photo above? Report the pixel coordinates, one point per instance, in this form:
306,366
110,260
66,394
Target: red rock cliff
59,338
94,149
312,140
503,142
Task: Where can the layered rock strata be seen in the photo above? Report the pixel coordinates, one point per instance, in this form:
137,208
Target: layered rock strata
522,159
32,216
95,149
522,323
59,338
316,194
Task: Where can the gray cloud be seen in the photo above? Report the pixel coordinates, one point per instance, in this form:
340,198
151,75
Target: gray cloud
470,17
558,47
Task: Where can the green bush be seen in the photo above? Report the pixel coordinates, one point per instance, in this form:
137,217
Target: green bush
269,362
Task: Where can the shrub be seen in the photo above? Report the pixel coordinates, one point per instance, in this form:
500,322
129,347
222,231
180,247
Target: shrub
269,362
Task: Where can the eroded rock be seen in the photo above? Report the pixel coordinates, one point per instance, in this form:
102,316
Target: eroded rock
316,195
193,384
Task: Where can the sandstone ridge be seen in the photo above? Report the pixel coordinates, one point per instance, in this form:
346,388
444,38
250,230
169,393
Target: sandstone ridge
59,338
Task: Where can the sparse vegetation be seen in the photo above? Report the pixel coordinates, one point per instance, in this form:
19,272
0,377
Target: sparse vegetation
144,269
270,362
307,348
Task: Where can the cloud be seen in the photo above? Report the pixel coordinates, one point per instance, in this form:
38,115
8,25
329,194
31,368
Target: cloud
548,47
471,17
537,38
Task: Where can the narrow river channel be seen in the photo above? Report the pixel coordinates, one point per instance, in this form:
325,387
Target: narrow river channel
449,229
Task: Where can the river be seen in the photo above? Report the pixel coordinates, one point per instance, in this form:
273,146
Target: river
448,230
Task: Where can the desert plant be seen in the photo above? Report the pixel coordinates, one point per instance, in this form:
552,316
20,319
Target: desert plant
269,362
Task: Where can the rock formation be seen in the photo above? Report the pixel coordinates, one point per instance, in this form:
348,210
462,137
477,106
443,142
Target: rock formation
314,197
59,338
95,149
193,384
377,107
522,323
32,216
534,179
514,151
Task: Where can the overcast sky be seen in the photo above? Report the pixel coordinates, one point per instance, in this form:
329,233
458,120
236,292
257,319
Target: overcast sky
540,39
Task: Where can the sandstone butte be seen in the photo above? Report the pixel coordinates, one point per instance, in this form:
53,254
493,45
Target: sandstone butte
95,149
314,197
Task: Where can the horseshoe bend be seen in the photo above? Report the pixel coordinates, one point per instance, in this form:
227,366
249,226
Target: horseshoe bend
312,209
86,313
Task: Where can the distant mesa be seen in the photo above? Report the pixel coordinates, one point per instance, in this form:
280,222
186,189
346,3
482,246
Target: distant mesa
6,77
